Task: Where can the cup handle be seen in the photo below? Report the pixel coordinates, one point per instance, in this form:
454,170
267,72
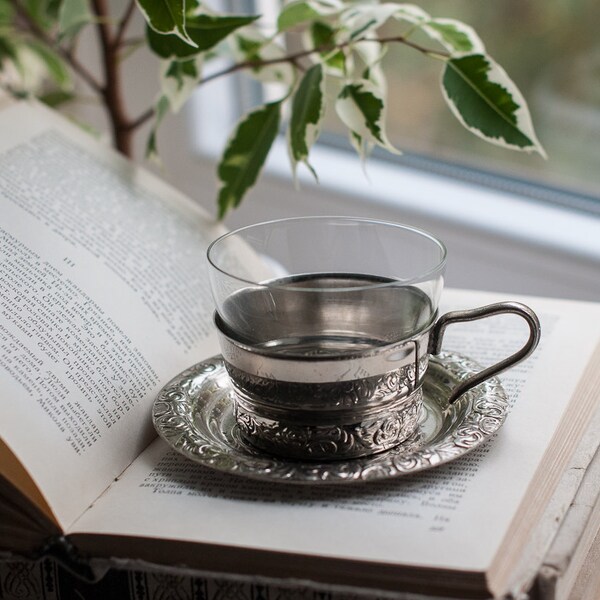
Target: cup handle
461,316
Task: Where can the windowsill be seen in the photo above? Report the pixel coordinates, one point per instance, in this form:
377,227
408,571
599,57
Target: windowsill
399,187
469,205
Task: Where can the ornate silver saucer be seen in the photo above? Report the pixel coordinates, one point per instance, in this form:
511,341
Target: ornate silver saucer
193,413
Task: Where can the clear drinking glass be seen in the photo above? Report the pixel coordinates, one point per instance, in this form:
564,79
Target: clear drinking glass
326,285
326,325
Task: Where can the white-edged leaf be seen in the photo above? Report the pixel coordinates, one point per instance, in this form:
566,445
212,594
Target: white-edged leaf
300,12
252,45
205,30
485,100
457,37
166,16
245,154
308,108
361,107
370,52
411,13
72,16
179,79
376,75
362,19
362,148
323,36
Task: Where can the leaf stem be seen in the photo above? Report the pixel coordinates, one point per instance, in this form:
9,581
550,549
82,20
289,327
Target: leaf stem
296,56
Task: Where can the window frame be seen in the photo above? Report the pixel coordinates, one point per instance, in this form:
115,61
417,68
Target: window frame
513,208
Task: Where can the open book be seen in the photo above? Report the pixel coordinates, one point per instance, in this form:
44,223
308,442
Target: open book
104,298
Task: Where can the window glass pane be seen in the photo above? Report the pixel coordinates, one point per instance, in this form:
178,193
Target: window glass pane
552,52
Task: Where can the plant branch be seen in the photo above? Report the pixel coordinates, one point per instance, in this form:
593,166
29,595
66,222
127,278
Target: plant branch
123,24
34,29
139,121
112,91
295,57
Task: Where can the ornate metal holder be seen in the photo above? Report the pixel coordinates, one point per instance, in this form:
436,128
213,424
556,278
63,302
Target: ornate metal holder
193,413
350,405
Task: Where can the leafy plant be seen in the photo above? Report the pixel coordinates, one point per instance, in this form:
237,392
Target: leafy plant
321,53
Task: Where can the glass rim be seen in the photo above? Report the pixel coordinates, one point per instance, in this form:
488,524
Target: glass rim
426,275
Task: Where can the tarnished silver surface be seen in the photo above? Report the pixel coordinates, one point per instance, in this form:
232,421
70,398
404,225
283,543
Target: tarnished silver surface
312,367
329,435
194,414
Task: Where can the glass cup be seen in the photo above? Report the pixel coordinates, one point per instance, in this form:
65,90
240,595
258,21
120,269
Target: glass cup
326,325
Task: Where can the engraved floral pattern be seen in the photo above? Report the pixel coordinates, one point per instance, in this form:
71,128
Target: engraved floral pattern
345,440
194,414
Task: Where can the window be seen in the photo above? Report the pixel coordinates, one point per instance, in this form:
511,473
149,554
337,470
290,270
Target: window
550,51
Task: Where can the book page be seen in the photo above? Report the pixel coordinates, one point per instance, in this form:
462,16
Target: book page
453,517
104,296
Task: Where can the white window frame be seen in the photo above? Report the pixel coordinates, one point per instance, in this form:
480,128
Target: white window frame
400,187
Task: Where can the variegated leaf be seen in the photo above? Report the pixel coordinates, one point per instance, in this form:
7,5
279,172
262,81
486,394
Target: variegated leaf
179,79
362,19
323,36
486,101
166,16
307,113
361,107
205,30
245,154
411,13
254,46
457,37
301,11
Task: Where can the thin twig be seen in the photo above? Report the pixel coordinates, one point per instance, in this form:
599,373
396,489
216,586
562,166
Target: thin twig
123,24
293,58
290,58
139,121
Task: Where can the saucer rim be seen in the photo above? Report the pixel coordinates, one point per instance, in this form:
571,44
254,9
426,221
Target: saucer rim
469,422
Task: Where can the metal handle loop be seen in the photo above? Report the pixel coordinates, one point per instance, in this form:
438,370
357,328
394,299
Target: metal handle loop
461,316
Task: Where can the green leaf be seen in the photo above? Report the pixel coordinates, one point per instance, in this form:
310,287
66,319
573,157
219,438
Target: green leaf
179,78
484,99
160,110
307,112
299,12
53,8
73,15
361,108
7,50
296,13
56,99
6,14
246,153
455,36
54,64
324,36
166,16
205,30
43,12
252,45
411,13
362,19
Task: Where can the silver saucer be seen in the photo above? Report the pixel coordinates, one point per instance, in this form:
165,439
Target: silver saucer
193,413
